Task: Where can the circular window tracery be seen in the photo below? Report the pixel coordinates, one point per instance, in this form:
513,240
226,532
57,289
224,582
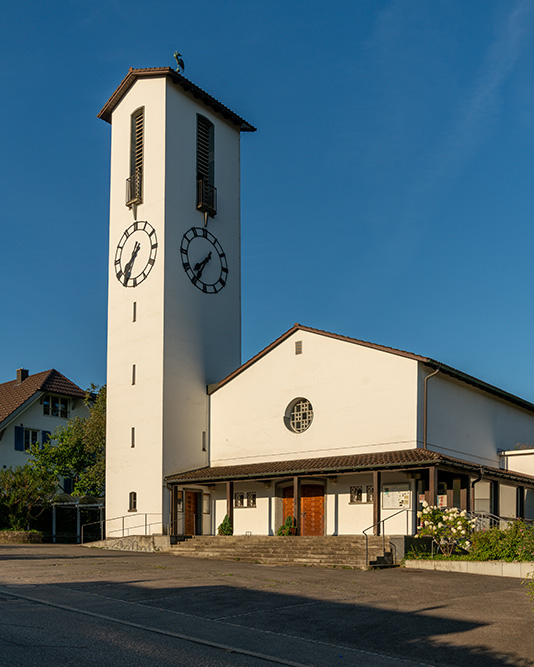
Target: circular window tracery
299,415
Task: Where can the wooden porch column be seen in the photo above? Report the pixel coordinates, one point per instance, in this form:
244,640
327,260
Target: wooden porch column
465,496
433,485
520,503
495,499
296,503
377,479
230,501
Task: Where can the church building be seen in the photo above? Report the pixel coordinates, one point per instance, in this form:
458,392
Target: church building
337,433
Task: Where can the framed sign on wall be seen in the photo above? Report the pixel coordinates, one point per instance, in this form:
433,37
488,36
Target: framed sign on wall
396,496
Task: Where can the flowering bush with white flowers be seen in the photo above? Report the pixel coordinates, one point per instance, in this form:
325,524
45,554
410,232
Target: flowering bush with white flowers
449,528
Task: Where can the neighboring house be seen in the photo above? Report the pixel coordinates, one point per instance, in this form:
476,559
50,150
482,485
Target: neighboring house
31,408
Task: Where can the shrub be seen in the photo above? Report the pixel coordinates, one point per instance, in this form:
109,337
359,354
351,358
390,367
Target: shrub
226,527
513,543
449,528
287,527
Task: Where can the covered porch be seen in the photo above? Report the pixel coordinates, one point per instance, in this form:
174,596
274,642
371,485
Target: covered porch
344,495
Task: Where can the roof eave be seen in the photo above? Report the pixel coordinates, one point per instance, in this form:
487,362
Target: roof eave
20,409
186,85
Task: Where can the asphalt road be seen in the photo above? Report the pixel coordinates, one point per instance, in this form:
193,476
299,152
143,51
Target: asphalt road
73,606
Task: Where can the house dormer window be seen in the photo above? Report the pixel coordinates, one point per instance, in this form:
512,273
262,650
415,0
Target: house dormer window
206,190
134,184
56,406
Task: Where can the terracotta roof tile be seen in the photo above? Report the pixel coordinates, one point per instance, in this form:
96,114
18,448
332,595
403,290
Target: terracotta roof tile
13,394
408,458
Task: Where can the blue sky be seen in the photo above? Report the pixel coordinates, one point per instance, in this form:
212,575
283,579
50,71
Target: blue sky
388,194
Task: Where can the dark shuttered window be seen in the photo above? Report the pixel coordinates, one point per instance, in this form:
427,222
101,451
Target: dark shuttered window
19,438
206,191
134,184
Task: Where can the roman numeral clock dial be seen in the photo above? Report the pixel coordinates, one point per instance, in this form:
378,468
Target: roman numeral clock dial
136,254
204,260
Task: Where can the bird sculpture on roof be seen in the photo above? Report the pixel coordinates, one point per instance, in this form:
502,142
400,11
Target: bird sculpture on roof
179,62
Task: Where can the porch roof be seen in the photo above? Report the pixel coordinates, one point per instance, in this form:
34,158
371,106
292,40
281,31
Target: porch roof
404,459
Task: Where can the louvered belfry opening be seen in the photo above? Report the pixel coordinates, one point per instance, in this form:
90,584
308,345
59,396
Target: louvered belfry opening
206,190
134,184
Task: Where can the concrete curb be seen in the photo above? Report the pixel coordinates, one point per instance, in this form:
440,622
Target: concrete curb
497,568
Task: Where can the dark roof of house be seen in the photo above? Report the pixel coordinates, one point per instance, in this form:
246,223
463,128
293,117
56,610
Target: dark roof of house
331,465
186,85
14,394
432,363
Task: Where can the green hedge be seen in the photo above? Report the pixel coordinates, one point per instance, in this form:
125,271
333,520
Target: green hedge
514,543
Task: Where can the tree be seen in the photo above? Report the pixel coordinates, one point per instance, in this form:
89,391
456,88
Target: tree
24,493
77,450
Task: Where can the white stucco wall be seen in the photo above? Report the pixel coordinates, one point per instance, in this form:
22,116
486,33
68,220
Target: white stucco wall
471,424
519,460
202,332
364,400
136,468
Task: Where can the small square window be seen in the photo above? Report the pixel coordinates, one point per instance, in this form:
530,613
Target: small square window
251,499
31,437
356,494
370,492
56,406
239,499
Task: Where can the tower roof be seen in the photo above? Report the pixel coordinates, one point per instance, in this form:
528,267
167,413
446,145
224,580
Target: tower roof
187,86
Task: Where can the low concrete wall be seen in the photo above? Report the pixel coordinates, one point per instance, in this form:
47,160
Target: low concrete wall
146,543
494,568
20,537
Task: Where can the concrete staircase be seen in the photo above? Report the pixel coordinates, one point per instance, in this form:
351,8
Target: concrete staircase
347,551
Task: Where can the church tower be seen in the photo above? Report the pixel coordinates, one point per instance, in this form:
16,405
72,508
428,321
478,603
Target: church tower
174,310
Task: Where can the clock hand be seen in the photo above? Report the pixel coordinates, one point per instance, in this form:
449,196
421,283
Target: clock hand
129,265
199,267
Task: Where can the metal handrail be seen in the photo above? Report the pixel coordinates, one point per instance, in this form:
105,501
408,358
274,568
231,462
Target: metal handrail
382,521
134,186
102,522
494,519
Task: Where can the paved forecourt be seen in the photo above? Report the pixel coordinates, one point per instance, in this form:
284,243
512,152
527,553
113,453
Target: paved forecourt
74,606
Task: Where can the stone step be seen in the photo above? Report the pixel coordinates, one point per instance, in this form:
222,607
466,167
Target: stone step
373,553
328,551
323,562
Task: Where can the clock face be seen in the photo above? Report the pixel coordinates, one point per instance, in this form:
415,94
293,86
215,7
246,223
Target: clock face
204,260
136,254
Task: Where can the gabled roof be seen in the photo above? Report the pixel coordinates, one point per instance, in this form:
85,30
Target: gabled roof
14,394
186,85
432,363
332,465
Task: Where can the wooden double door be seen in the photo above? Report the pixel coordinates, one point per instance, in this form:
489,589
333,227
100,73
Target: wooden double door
311,520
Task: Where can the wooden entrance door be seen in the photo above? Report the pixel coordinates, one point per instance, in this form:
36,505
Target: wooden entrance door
312,509
191,520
